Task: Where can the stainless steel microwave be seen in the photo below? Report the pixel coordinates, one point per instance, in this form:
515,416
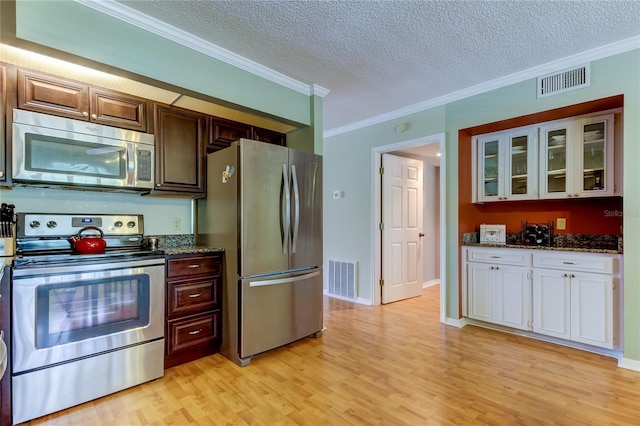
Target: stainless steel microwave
55,151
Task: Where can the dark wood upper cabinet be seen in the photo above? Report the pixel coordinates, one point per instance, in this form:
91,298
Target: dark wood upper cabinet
268,136
223,132
180,138
67,98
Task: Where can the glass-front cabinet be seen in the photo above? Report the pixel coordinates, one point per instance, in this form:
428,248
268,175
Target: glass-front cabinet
576,158
507,165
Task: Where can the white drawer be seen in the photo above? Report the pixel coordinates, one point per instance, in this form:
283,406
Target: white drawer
499,256
587,262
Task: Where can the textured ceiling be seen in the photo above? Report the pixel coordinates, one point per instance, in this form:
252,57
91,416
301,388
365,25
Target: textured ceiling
375,57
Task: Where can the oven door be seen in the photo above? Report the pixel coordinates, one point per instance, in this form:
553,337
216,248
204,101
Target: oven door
65,313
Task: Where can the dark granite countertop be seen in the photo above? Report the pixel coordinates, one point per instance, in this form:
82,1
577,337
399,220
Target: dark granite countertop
522,246
191,249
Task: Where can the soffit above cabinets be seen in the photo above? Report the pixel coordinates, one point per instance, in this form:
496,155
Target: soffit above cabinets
23,58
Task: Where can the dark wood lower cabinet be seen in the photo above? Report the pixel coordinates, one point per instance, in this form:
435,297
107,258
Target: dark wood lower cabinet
194,291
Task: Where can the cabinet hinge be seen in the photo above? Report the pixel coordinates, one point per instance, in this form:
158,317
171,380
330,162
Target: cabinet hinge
381,170
381,283
381,226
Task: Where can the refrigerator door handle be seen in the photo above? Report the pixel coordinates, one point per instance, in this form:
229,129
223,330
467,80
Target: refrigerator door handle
285,209
284,280
296,209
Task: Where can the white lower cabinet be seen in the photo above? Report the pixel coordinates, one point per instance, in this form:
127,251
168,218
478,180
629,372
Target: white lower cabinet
567,295
499,293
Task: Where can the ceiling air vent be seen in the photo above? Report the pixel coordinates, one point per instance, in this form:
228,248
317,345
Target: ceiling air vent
564,81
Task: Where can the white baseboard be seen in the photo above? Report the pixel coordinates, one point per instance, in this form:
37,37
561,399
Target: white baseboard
629,364
455,322
430,283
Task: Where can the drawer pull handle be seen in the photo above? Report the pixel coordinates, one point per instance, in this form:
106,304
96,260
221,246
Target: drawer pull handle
495,257
194,295
569,263
195,265
194,332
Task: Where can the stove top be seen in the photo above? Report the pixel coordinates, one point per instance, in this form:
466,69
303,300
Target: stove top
45,259
43,239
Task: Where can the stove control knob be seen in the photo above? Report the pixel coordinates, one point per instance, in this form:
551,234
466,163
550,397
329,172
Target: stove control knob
34,224
51,224
131,224
118,224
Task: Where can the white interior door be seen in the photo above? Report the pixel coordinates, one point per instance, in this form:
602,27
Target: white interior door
402,231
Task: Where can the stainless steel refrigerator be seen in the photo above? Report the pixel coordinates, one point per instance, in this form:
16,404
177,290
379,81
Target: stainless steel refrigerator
264,206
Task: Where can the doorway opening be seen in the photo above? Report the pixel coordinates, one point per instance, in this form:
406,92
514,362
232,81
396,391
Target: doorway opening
415,148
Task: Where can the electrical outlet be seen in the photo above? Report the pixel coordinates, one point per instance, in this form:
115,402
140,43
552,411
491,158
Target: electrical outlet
176,224
561,224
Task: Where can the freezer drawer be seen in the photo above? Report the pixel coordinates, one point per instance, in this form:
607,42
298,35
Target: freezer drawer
279,309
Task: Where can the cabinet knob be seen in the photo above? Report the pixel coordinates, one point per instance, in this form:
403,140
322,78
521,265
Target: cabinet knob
421,234
573,275
94,116
576,195
1,174
85,114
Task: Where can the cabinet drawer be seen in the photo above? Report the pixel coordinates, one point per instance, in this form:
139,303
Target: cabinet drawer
499,256
587,262
193,265
188,296
193,331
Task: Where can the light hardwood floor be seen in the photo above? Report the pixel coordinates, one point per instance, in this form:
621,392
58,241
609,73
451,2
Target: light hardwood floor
384,365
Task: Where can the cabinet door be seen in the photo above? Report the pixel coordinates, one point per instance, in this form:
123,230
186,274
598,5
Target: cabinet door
480,292
224,132
513,296
556,160
50,95
521,168
594,157
489,168
268,136
592,309
118,110
180,150
552,303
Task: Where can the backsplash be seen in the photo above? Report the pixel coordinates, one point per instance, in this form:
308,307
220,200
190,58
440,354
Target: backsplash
574,241
174,241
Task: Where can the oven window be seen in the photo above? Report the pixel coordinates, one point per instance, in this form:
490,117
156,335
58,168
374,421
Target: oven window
51,154
70,312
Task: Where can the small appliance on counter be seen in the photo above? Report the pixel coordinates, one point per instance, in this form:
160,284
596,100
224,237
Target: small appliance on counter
493,234
537,234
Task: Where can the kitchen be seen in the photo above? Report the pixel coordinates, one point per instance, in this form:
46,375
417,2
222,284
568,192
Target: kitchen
35,199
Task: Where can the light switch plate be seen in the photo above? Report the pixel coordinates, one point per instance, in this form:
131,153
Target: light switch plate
561,223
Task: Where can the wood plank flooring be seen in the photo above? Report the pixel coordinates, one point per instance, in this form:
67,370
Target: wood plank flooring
383,365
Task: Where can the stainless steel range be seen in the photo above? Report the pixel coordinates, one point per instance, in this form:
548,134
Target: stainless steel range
84,325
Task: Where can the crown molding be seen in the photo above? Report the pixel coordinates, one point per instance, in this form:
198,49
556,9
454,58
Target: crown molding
126,14
550,67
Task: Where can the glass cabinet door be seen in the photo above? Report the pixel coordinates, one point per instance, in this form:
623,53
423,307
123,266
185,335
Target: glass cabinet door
593,157
490,168
521,166
555,155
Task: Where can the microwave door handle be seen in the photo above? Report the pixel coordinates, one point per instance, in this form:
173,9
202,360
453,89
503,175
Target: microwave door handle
285,209
131,164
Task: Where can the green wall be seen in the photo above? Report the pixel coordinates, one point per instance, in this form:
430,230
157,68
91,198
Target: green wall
348,222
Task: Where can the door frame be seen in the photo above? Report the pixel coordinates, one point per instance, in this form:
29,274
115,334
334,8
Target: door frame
376,200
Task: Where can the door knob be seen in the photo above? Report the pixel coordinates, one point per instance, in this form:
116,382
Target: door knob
421,234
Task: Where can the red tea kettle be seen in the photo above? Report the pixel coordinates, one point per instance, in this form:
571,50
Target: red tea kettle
90,244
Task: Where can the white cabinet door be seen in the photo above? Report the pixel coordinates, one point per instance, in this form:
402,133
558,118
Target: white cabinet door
552,303
512,296
577,158
507,165
480,292
592,309
499,294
